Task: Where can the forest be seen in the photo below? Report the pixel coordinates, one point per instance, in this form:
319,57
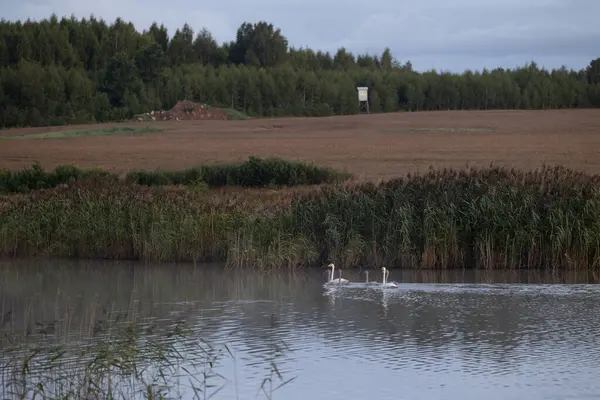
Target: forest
69,71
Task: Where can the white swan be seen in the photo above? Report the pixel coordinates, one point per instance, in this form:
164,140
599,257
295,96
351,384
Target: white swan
339,280
371,283
385,283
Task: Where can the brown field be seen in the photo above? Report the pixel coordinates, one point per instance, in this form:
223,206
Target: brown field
370,146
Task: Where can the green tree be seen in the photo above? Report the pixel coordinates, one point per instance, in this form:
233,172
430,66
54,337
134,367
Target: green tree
386,59
592,72
121,77
150,62
73,71
181,47
259,45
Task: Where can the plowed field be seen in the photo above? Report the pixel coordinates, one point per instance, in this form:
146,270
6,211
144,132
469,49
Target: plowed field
370,146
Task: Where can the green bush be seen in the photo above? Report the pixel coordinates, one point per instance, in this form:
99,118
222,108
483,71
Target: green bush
256,172
36,178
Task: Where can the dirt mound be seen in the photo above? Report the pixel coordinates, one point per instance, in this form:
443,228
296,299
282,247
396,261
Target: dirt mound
184,111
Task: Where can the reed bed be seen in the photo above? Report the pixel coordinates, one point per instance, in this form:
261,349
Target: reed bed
479,218
482,218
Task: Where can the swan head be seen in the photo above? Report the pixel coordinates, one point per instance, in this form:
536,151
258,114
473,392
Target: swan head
383,269
330,265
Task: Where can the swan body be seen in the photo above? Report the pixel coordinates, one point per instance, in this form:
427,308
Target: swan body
385,284
339,280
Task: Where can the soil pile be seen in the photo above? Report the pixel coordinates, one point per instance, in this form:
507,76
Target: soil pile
184,111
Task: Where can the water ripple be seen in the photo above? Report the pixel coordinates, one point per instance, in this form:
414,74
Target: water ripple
420,341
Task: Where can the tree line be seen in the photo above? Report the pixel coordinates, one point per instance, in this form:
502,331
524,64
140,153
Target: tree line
64,71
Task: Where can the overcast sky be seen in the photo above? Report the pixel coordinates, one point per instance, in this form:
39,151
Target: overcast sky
450,35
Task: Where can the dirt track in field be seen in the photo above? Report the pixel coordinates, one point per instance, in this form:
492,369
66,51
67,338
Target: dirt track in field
370,146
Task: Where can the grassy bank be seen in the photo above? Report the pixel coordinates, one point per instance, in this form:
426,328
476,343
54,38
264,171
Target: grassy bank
484,218
256,172
115,130
235,115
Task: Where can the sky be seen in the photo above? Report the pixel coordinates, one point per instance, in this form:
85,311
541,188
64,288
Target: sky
448,35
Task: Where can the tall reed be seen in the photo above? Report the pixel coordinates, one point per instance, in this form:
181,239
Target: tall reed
489,218
131,362
481,218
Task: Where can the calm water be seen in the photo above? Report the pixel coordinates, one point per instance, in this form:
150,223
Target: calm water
441,335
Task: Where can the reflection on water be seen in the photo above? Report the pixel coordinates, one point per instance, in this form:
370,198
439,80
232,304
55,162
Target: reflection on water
442,334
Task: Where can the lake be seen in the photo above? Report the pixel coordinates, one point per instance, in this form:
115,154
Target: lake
440,335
